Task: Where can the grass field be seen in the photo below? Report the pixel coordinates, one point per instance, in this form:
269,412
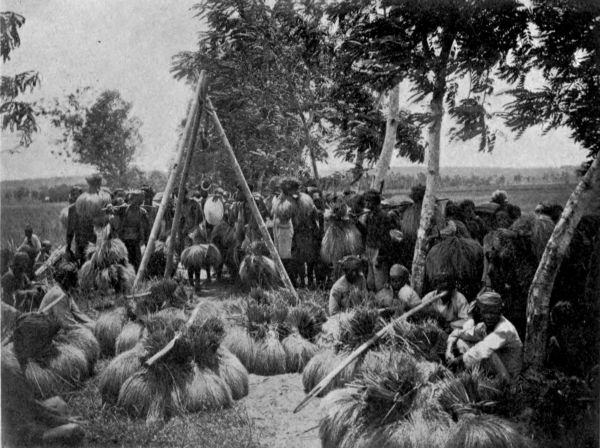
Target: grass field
43,217
525,196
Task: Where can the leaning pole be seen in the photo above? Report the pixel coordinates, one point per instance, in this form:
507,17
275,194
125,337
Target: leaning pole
174,171
191,146
250,199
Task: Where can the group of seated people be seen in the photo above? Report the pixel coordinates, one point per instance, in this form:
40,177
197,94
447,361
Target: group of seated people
478,332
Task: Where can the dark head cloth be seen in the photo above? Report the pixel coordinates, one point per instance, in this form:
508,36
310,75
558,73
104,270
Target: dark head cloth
350,263
490,300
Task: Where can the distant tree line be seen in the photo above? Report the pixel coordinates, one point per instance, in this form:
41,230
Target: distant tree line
396,181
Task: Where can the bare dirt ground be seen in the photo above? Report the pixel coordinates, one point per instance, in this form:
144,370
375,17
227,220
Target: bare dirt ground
270,405
272,399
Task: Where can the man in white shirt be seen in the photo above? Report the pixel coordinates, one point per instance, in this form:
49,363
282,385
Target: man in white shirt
452,306
32,246
350,288
487,338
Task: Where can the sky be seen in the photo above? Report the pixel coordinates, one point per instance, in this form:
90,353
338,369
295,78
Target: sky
128,46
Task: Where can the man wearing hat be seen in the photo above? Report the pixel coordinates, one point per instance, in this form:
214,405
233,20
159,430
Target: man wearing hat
349,290
487,338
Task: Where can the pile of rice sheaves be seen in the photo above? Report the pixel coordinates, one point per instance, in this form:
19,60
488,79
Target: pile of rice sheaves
54,360
107,267
278,338
196,374
398,400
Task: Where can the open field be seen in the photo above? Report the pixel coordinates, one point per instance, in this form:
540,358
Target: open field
43,217
525,196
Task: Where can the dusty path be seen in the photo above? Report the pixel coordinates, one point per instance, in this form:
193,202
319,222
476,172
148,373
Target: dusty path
272,399
270,405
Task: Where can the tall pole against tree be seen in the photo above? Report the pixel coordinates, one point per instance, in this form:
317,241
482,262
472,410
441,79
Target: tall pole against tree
174,171
250,199
191,144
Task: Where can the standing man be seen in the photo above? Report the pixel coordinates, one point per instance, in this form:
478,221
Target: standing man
375,226
133,226
72,222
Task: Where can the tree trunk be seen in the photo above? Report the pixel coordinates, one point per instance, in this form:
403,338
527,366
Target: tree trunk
433,165
383,164
538,300
308,139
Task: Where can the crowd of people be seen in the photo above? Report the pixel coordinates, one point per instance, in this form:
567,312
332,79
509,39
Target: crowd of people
371,238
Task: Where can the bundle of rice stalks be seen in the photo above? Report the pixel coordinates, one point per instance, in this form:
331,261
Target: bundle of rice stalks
129,336
90,205
205,390
233,373
161,329
110,251
118,371
341,238
284,208
375,399
194,257
321,364
487,431
87,276
158,261
63,217
51,367
470,392
298,351
425,340
361,326
108,327
259,270
118,277
205,340
270,356
417,431
332,328
70,364
536,229
242,345
260,295
308,320
460,257
82,338
172,313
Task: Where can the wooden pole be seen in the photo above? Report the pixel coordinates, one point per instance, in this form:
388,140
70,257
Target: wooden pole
360,350
175,168
191,144
250,199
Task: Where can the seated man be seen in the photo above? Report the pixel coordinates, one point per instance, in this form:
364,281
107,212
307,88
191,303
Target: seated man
452,306
17,289
398,295
487,338
65,311
350,288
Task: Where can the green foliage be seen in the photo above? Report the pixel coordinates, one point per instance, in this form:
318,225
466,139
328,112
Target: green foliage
104,135
432,44
268,75
17,116
565,51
